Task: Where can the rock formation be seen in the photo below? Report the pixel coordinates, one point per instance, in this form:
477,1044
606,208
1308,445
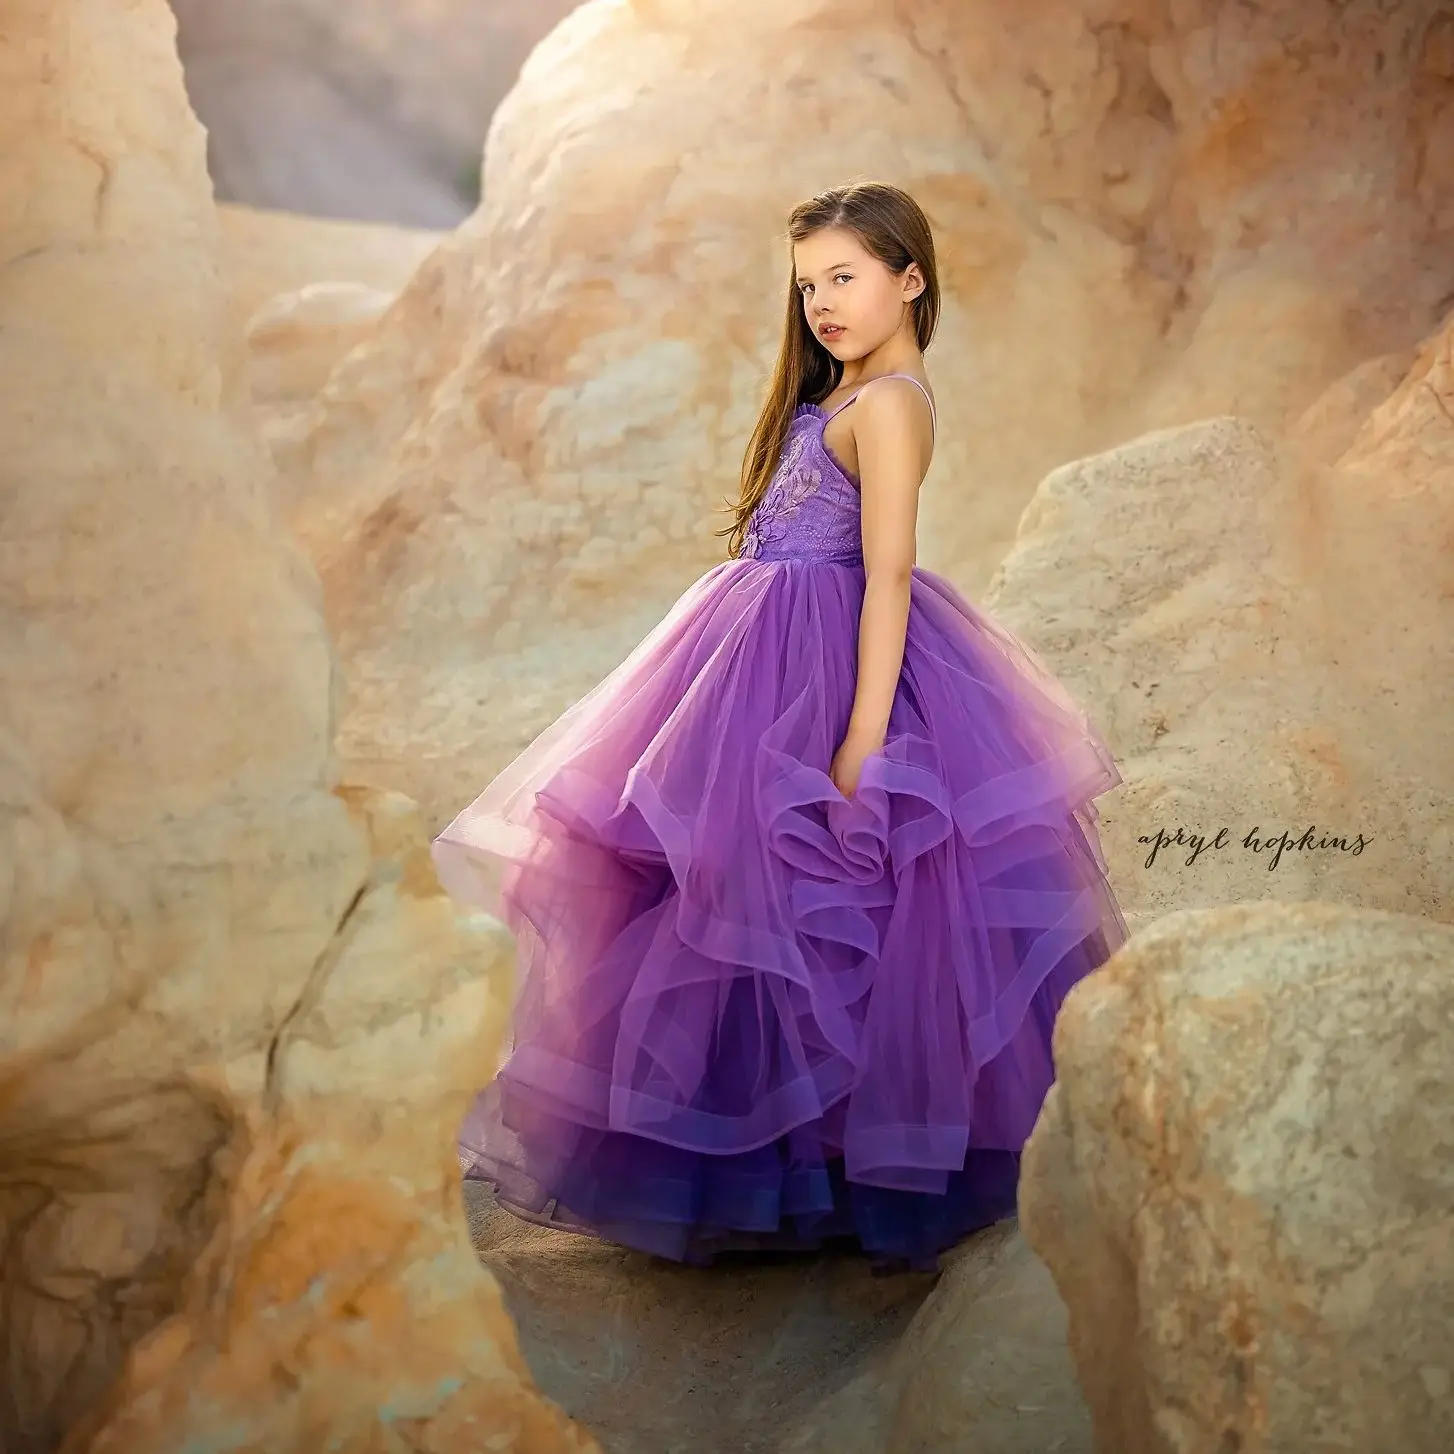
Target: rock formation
240,1020
1211,232
1196,370
1266,628
268,254
1148,216
1242,1184
295,339
371,110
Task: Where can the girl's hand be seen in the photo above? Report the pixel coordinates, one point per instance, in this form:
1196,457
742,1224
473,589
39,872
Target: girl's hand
849,759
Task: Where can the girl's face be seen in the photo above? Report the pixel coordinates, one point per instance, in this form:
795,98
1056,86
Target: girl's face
853,302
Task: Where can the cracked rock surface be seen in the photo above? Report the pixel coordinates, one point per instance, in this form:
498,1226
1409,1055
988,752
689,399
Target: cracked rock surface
238,1019
1242,1184
1149,217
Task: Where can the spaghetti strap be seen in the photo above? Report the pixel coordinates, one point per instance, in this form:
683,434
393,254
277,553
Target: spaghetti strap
933,413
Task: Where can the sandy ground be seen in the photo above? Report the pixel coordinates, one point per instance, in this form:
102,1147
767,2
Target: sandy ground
791,1355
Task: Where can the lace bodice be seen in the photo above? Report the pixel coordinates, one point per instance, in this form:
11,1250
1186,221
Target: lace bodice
811,508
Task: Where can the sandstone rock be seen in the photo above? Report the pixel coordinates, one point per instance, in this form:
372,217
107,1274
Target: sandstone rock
367,110
295,340
1331,422
238,1019
1241,1183
271,253
983,1366
1147,214
304,292
1222,605
1152,218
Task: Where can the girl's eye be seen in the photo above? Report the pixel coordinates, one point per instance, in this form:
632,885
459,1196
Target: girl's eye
849,276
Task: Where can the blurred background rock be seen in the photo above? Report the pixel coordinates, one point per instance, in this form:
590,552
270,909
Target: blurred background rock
371,111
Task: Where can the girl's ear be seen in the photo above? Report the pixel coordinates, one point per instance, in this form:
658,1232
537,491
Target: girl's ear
914,282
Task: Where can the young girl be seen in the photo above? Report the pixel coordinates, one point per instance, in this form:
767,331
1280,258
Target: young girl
799,888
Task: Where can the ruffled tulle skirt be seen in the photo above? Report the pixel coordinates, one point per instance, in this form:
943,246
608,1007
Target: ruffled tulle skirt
752,1012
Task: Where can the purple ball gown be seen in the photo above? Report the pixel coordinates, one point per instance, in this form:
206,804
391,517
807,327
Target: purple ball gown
753,1013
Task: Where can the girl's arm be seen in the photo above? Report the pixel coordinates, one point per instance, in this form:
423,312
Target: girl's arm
894,439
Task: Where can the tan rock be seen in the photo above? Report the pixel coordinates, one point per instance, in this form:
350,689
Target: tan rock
272,253
305,291
367,110
295,339
343,1253
983,1365
238,1019
1147,215
1151,218
1331,422
1241,1183
1221,605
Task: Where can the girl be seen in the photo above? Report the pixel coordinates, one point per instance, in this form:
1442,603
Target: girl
799,888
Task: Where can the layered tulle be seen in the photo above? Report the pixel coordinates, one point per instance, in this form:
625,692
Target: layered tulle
751,1011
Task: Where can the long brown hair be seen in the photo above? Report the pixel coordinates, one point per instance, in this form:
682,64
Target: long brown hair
893,228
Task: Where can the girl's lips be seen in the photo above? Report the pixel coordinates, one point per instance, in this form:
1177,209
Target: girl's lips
830,330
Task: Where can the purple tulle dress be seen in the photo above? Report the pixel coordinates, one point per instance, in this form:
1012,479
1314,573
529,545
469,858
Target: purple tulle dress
753,1013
